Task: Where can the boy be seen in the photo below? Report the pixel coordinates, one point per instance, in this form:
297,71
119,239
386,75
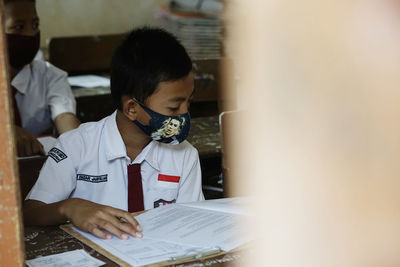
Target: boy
100,172
41,93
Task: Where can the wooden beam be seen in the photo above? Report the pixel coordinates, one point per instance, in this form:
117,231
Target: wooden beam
11,231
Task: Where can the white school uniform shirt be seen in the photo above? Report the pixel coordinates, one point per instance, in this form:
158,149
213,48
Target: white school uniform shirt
43,93
90,162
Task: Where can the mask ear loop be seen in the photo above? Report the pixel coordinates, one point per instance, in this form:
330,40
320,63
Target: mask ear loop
140,103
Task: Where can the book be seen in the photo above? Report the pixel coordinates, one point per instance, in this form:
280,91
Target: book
177,233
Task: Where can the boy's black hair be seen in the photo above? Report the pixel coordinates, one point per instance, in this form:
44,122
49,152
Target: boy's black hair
146,57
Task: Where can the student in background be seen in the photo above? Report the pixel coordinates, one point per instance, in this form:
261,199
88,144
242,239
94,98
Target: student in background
98,173
40,91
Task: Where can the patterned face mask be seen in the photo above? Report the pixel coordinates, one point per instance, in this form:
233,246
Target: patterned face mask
166,129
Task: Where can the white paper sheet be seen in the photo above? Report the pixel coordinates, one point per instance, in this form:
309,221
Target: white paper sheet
89,81
235,205
177,230
76,258
193,226
138,252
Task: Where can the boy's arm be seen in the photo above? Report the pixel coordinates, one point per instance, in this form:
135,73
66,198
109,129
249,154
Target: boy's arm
85,215
60,99
65,122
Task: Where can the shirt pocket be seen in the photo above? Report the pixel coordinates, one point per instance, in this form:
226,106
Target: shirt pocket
167,181
162,185
167,187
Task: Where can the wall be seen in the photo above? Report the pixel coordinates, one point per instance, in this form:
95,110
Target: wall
88,17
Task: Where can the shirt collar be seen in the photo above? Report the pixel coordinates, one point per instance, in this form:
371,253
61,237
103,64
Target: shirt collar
115,147
149,154
21,80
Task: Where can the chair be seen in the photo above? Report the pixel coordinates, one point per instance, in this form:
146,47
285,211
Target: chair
83,54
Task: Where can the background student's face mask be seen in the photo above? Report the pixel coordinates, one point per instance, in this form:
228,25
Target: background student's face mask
22,49
166,129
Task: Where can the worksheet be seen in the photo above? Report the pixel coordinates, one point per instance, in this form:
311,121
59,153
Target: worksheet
178,231
193,226
143,251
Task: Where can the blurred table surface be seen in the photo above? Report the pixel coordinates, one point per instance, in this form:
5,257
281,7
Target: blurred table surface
205,136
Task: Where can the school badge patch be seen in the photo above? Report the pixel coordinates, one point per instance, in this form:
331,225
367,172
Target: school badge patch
57,154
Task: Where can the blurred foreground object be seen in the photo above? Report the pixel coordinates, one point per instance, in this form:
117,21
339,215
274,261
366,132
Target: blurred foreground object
321,144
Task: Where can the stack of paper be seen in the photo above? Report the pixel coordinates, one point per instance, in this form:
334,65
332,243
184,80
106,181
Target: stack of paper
209,8
198,33
88,81
181,231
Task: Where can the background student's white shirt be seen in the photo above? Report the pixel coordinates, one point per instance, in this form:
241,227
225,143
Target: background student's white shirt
43,93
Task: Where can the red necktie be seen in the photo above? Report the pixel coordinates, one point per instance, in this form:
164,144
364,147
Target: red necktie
135,190
17,117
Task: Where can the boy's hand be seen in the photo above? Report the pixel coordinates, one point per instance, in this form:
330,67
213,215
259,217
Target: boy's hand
92,217
27,144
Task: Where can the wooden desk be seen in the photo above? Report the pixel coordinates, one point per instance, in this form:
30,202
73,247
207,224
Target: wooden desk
43,241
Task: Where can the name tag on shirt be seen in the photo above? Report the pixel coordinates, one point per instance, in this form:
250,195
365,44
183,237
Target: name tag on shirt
168,178
92,178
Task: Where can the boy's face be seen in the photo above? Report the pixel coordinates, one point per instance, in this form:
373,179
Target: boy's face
172,98
21,18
